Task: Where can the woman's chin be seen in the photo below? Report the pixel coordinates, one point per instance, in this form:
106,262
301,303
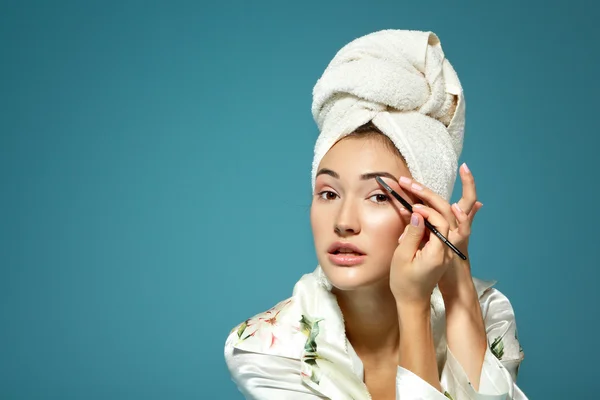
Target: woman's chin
353,277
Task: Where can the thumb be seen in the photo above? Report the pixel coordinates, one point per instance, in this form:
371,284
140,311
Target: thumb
411,239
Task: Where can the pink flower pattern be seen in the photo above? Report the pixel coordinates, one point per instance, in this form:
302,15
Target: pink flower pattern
265,322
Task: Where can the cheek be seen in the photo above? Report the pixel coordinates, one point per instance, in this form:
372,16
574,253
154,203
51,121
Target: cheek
384,228
318,221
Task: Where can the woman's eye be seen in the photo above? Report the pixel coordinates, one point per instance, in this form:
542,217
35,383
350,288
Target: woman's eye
327,195
380,198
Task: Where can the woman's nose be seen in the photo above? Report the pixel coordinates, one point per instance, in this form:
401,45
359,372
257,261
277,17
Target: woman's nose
345,230
347,222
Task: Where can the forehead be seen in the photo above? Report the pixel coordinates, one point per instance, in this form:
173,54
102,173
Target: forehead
355,156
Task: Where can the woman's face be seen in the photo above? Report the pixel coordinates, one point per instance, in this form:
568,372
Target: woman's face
350,207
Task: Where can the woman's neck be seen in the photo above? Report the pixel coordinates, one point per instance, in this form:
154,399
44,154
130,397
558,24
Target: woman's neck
371,320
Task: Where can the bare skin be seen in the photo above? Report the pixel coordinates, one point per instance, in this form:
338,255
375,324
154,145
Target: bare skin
385,301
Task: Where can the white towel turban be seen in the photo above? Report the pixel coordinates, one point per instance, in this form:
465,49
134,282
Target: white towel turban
401,81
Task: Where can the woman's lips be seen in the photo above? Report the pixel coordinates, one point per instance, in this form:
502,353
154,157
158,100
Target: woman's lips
346,259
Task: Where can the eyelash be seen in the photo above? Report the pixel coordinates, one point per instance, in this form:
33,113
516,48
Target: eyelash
386,198
323,192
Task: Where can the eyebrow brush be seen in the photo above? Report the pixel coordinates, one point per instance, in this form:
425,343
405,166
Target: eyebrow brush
432,228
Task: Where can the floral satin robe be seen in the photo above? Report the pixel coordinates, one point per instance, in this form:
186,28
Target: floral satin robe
298,350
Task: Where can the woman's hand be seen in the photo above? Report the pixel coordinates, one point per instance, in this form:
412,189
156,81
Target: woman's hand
459,218
416,266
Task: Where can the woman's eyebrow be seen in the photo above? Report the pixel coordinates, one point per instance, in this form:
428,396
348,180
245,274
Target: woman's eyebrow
327,171
373,175
363,177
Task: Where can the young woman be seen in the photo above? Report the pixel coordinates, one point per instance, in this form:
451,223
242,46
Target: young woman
390,312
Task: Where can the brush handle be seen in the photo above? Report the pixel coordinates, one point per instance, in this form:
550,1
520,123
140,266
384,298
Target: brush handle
443,239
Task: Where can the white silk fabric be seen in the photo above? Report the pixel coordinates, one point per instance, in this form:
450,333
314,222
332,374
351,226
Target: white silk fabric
298,350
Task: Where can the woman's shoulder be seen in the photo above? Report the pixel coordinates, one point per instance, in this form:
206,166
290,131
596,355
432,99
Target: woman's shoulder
494,304
500,322
282,330
264,353
482,286
276,331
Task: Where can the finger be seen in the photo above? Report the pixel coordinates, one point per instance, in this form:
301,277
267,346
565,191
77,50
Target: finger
434,217
464,224
469,196
405,215
432,199
438,221
411,238
476,208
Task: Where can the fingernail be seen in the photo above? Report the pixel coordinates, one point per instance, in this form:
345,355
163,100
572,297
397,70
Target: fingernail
467,170
457,208
417,187
418,206
414,220
400,238
404,179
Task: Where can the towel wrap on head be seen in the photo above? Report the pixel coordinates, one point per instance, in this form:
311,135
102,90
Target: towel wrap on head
402,82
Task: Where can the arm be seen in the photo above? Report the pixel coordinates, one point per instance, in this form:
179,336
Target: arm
417,353
465,329
502,356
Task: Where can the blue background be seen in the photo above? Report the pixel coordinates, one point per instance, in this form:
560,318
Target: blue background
155,181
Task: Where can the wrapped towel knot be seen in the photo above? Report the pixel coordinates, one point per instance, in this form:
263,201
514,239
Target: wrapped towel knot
402,82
